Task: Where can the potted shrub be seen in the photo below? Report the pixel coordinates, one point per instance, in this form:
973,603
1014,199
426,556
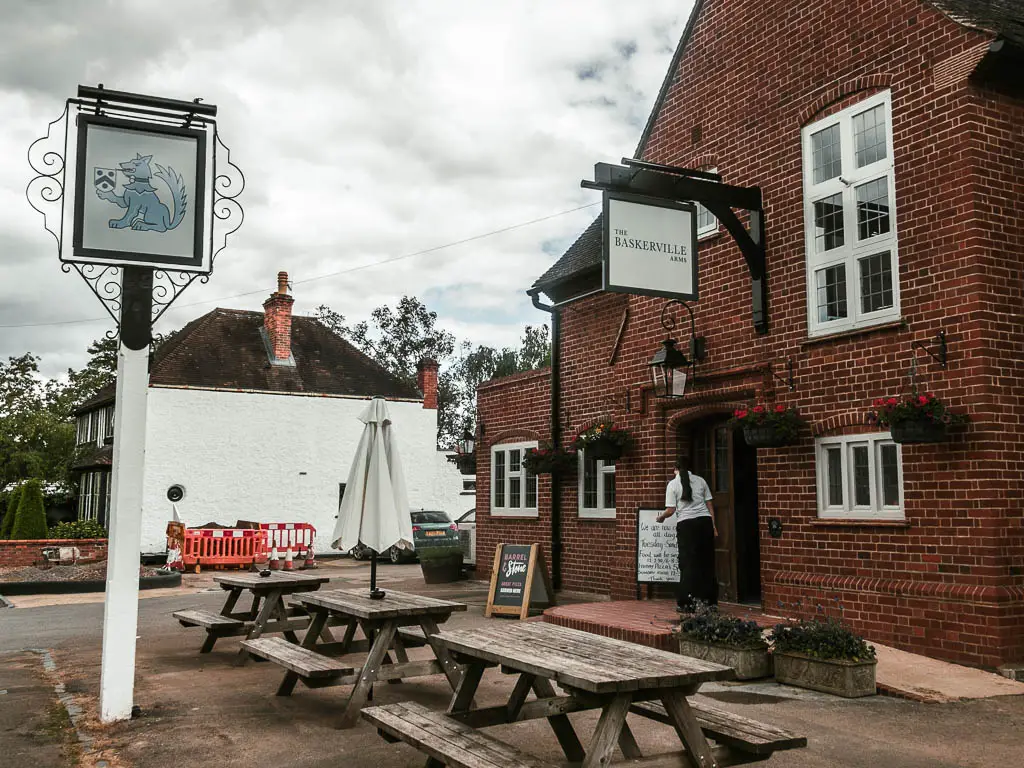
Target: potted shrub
440,565
547,460
823,656
767,426
713,636
602,440
916,418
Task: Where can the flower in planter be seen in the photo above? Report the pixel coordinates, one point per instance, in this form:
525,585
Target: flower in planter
914,407
546,459
821,640
707,625
785,421
604,431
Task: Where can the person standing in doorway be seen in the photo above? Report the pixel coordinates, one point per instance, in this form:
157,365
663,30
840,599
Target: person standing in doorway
688,505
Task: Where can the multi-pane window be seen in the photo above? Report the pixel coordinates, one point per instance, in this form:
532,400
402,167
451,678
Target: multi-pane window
852,261
707,224
95,426
94,496
513,487
596,487
860,477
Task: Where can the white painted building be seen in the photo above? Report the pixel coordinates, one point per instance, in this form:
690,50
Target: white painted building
254,417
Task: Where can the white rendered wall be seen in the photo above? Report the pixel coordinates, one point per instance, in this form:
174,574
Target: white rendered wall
274,458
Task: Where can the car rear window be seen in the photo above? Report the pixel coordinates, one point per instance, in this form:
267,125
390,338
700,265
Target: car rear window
430,517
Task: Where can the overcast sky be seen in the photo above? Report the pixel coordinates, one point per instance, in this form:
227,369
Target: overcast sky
366,130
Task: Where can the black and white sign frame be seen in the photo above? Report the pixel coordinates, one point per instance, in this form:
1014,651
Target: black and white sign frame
608,227
198,260
669,527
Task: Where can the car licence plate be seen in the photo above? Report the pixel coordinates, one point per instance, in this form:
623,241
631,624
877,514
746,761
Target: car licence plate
434,533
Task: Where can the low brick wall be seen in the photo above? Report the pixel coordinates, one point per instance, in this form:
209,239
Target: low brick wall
22,552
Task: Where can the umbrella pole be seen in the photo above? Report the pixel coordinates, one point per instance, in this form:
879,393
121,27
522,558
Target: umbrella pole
375,594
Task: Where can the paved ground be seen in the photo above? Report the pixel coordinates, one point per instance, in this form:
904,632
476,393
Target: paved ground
34,727
201,711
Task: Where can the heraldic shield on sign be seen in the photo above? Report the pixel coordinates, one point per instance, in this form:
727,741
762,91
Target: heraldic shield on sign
146,195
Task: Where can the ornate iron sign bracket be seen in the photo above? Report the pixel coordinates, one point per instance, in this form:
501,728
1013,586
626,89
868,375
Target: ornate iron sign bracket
667,182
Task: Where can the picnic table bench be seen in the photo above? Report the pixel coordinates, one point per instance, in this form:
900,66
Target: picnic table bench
389,626
266,614
596,673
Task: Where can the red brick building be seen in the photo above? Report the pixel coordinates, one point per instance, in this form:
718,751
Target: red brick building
886,137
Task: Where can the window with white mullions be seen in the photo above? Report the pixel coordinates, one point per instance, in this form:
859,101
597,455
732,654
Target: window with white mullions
860,477
596,487
707,224
851,248
513,487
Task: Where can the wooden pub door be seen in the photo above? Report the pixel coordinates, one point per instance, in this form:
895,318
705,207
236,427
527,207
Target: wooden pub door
729,466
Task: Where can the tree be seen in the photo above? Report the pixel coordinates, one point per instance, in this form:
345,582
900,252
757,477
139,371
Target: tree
30,519
7,524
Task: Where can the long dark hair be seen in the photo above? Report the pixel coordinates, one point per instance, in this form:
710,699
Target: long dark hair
683,465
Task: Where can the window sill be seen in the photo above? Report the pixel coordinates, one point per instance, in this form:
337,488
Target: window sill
599,518
514,515
709,235
859,523
854,332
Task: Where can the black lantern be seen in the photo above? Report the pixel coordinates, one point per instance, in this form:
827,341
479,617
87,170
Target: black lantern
467,444
668,370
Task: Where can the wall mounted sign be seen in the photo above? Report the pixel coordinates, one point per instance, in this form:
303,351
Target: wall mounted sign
140,191
657,551
650,246
519,581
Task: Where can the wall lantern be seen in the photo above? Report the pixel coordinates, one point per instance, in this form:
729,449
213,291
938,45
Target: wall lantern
467,443
668,366
465,454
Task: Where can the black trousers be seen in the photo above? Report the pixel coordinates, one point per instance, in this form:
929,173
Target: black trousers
697,580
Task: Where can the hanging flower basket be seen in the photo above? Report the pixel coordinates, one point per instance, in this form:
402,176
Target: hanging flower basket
546,460
916,418
602,440
466,462
767,426
766,437
919,432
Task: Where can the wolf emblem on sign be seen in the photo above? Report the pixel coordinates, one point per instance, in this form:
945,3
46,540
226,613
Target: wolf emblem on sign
144,210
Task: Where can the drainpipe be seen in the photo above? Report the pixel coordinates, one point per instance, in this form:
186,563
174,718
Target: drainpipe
556,436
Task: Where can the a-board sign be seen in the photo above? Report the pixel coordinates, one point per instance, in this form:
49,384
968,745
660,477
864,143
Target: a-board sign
657,551
519,580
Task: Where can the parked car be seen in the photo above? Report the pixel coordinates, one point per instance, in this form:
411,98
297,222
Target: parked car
430,528
467,536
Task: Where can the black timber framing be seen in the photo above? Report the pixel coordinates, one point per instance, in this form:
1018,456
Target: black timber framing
681,184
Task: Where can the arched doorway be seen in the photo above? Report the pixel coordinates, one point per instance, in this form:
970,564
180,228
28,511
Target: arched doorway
729,465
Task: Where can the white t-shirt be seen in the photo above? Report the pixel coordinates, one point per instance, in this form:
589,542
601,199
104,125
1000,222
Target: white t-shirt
687,510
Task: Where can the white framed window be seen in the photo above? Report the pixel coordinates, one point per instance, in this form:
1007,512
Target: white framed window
860,477
850,218
707,224
94,496
596,487
513,488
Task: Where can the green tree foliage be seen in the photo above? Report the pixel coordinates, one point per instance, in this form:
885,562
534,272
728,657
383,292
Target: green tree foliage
7,524
30,519
399,338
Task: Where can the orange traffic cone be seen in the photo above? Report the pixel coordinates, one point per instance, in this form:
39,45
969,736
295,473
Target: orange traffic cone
289,563
275,560
309,558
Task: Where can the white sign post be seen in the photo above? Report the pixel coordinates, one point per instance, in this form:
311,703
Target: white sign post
131,203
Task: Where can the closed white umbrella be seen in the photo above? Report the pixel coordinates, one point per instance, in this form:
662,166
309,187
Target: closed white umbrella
375,509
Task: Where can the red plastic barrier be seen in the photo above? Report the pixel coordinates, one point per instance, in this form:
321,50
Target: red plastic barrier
284,536
220,547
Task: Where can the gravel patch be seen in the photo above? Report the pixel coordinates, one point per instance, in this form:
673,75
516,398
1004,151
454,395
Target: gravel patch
87,572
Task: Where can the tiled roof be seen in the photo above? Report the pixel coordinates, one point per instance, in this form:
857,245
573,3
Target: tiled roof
224,349
581,255
102,456
1003,18
103,396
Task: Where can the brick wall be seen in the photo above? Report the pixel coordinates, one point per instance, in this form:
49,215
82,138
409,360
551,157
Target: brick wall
24,552
950,580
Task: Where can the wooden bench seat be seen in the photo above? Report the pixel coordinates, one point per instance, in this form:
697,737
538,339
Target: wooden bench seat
302,661
412,637
730,730
447,741
197,617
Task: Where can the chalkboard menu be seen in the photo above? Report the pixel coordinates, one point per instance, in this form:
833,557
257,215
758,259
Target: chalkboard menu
657,552
518,580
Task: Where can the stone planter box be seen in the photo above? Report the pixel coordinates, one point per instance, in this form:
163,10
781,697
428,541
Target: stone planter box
749,663
850,679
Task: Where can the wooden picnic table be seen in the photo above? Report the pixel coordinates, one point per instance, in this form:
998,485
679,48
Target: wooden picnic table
594,672
388,625
267,612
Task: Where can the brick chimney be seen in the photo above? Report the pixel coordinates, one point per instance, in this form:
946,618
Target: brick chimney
426,380
277,321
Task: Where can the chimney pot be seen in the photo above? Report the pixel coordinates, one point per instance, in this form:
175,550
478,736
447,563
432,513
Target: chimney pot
282,282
